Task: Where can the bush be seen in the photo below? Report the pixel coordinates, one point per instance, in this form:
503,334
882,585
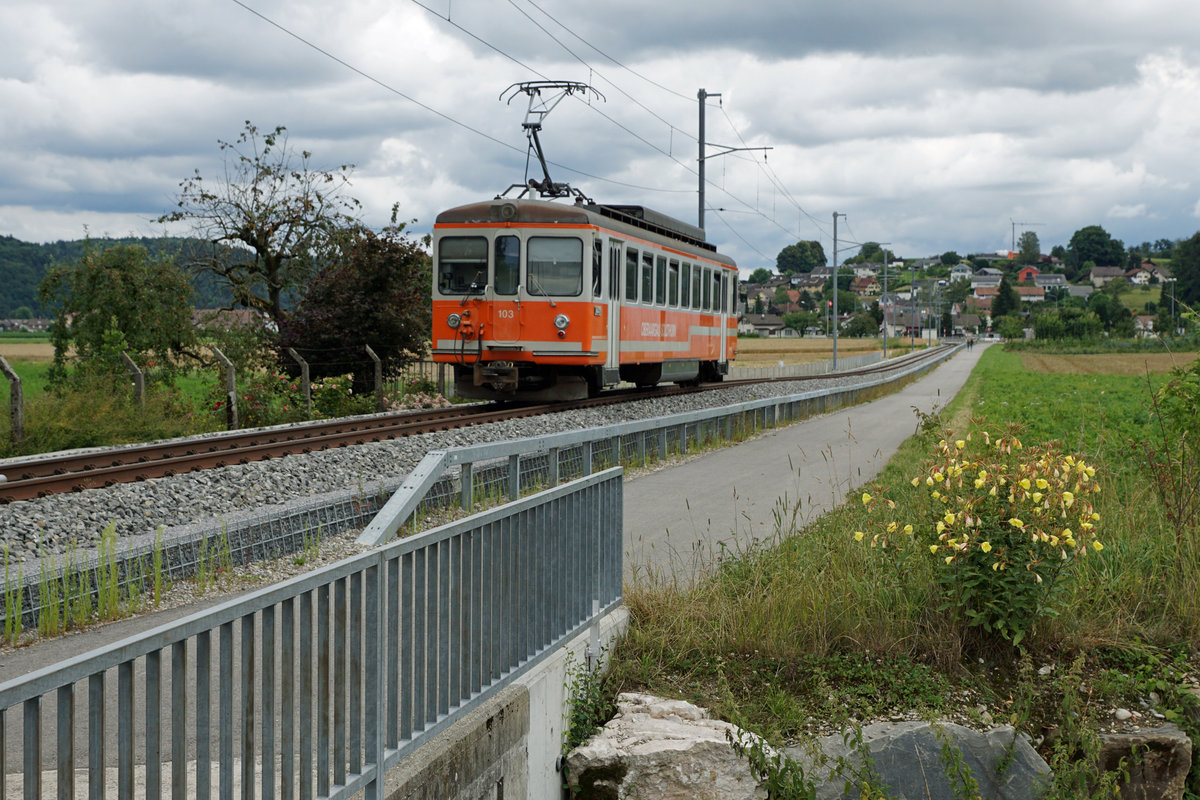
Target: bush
1003,526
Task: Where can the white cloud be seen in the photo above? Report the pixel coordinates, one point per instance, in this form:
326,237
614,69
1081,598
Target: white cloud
1127,212
931,127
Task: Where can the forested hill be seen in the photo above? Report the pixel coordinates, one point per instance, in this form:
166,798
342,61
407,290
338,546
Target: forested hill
24,264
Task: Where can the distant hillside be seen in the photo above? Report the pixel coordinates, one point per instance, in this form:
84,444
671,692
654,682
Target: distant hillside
24,264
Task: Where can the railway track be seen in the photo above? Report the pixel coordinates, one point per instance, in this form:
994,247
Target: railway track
73,472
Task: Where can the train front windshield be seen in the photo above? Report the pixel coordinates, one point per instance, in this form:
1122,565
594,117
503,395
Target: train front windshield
554,265
462,265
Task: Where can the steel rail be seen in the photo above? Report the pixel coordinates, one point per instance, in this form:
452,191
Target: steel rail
72,472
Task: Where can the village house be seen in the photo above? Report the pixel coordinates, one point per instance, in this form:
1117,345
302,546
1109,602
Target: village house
865,287
1027,274
1031,294
1100,276
1050,280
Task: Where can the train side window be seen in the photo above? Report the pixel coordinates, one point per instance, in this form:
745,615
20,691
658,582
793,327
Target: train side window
685,299
673,284
462,264
660,282
555,266
647,278
716,291
631,274
724,291
597,267
506,264
614,270
697,276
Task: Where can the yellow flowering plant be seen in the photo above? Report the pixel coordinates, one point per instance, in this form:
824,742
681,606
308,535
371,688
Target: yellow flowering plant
1002,524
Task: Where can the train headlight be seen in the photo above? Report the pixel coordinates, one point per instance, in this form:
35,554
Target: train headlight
453,320
562,321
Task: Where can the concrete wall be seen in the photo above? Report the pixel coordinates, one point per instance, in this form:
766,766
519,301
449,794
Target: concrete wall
508,748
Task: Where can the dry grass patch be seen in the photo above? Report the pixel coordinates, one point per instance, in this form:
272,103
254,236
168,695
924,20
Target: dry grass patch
769,352
27,351
1105,363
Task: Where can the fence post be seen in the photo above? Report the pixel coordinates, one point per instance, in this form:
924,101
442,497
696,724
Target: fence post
304,381
16,401
139,380
231,413
378,377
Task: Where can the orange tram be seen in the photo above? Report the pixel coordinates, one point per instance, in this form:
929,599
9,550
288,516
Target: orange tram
542,301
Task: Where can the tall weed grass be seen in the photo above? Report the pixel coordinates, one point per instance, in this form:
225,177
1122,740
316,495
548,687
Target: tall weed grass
773,620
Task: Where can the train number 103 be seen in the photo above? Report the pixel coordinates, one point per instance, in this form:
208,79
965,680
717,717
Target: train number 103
505,313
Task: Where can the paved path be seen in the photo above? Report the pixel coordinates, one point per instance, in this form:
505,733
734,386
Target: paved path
677,516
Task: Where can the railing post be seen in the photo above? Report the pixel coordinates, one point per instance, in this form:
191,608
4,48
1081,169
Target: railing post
305,381
139,380
514,477
16,401
231,413
378,377
467,479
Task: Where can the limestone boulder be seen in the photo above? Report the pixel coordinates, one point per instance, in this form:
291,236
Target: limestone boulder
661,749
907,759
1157,761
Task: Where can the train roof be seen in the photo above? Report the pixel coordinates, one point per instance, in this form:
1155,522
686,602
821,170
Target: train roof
628,218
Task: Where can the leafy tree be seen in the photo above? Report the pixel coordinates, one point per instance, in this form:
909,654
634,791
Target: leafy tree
861,324
1029,249
803,256
801,321
1058,251
274,209
1093,244
1186,266
1117,287
1010,327
1007,301
1116,318
119,299
957,290
950,258
760,275
947,324
871,253
376,293
781,298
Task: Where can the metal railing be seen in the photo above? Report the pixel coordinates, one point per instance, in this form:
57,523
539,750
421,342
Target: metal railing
461,475
318,685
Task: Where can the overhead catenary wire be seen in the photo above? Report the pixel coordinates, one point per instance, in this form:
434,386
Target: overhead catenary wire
427,107
471,129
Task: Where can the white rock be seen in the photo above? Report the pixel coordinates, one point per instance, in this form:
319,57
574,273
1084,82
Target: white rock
1123,714
666,749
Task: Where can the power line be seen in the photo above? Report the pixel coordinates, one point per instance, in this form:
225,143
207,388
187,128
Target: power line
431,109
623,66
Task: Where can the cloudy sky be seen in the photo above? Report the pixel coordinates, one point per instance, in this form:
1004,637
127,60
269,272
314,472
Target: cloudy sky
932,124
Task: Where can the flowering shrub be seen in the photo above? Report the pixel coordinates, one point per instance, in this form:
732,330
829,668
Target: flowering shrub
1002,524
265,399
335,397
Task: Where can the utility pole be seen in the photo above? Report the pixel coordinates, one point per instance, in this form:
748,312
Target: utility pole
702,96
835,288
883,247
